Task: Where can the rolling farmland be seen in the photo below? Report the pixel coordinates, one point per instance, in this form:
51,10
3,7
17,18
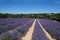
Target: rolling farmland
29,29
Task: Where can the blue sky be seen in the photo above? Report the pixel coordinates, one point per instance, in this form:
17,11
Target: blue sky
30,6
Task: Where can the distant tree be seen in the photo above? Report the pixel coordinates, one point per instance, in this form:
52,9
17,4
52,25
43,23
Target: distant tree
51,13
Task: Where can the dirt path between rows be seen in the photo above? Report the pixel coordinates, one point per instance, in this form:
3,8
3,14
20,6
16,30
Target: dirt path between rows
28,36
47,34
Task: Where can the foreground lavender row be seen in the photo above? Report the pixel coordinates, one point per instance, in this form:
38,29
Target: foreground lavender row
18,32
11,23
38,33
52,27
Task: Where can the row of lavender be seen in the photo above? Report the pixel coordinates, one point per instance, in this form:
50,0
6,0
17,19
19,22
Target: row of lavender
11,23
14,28
52,27
38,33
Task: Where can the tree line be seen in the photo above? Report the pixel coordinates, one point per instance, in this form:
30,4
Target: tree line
37,15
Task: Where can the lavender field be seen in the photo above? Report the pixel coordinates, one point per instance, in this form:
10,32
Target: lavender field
29,29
